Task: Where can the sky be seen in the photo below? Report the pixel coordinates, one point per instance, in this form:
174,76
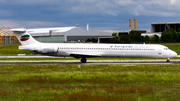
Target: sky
103,15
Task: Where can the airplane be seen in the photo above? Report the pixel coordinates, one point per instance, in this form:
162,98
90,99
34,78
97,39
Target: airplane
89,50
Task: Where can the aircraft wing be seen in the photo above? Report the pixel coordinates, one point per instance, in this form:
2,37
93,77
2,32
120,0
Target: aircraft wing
80,55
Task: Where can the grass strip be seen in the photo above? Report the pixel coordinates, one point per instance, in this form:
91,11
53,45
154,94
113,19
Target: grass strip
90,82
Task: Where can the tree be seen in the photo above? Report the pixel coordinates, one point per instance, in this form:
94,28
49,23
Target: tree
124,39
178,30
155,39
147,39
169,36
115,39
88,40
178,35
114,34
94,40
135,36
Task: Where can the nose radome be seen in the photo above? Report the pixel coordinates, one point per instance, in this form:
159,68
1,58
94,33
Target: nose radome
173,54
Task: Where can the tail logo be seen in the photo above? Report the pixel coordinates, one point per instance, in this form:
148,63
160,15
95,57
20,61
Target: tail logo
25,37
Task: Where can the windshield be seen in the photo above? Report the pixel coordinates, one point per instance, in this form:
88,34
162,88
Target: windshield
166,48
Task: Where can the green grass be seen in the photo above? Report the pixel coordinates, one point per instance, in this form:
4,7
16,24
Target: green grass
12,50
90,82
174,46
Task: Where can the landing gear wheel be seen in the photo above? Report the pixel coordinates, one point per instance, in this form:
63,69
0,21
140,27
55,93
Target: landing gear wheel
168,60
83,60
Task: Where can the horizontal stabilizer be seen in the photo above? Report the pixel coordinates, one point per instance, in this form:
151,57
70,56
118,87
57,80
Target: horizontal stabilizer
19,30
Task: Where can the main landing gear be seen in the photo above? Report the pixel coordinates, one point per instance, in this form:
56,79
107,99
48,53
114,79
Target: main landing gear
83,60
168,60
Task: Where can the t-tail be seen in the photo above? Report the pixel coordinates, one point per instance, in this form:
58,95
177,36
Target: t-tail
30,44
24,37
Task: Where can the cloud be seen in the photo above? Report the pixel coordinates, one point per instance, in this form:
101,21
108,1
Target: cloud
2,1
173,2
125,2
29,2
100,7
150,7
103,7
49,13
9,23
5,13
29,24
141,10
119,7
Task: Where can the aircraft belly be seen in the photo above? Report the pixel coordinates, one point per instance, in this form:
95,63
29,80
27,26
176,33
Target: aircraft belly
62,53
125,54
131,54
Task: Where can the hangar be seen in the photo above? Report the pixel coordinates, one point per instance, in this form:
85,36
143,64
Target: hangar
161,27
7,37
53,35
65,34
158,28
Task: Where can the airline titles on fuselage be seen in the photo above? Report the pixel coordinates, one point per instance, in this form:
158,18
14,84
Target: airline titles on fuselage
115,46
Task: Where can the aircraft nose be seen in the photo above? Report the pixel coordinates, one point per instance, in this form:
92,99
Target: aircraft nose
173,54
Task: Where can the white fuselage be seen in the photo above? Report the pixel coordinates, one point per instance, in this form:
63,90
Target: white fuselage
101,50
84,51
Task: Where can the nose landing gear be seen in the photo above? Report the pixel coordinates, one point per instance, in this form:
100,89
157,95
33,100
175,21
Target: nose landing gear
168,60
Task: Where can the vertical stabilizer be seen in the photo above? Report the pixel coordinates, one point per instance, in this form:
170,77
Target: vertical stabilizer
24,37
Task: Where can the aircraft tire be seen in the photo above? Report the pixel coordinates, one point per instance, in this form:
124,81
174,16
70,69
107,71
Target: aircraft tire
168,60
83,60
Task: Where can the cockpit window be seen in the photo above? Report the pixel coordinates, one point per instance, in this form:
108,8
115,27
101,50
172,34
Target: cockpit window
166,48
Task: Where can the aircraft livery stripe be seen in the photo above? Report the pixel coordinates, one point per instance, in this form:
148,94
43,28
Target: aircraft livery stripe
24,39
25,36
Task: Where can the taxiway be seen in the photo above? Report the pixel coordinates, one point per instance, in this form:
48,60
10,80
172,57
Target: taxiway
97,63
